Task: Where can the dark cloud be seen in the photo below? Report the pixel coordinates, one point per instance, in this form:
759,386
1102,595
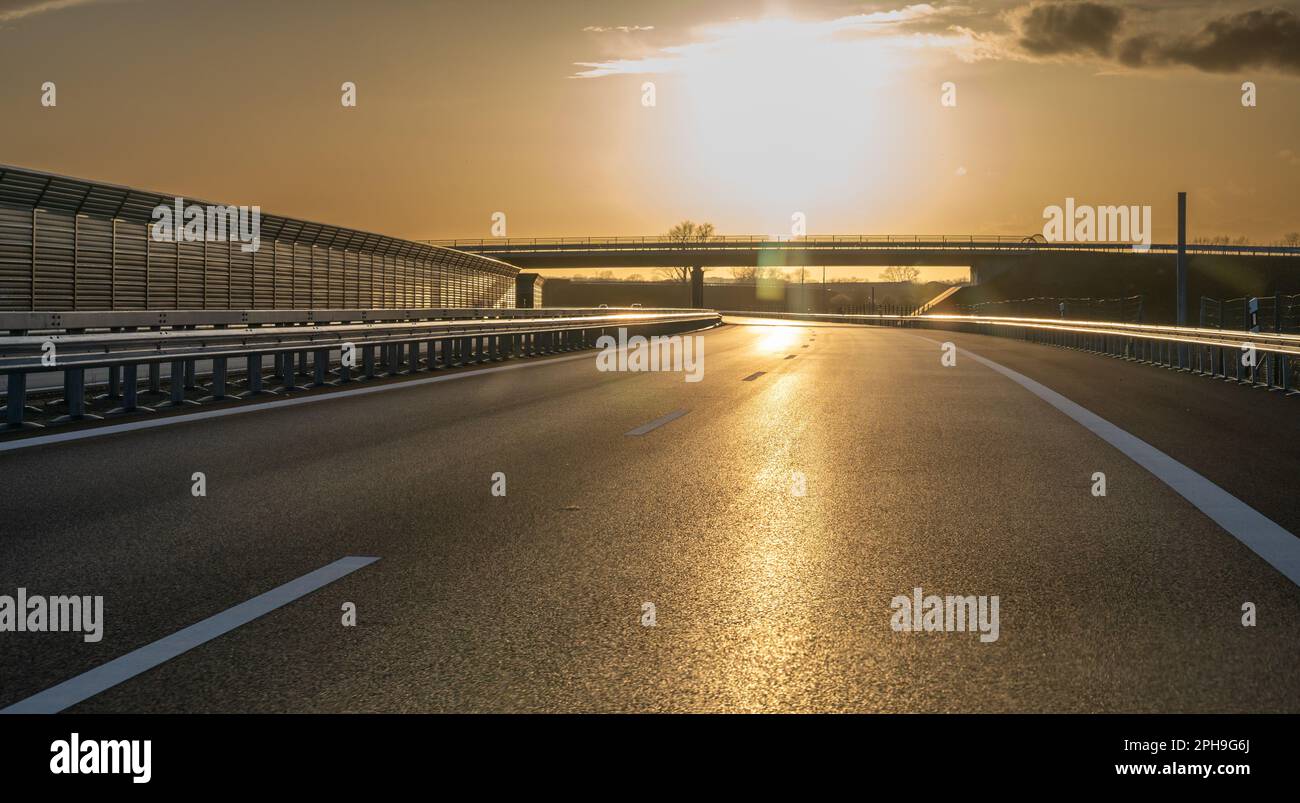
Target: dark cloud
1062,28
1260,38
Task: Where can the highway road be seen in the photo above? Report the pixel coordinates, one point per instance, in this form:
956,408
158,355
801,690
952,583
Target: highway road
957,480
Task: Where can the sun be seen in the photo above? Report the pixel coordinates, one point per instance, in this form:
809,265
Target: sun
766,102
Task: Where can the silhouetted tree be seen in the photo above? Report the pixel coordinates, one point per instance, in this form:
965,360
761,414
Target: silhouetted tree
900,273
684,234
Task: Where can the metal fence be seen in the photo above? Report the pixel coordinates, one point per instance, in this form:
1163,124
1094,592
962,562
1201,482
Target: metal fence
1127,309
69,244
1275,313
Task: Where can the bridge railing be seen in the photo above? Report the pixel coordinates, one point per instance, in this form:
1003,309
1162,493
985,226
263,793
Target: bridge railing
381,342
1264,359
958,242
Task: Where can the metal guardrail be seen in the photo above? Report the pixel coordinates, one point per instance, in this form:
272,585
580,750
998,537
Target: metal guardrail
1275,357
399,341
962,242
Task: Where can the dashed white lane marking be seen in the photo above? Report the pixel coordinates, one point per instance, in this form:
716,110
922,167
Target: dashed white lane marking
1265,537
253,407
658,422
88,684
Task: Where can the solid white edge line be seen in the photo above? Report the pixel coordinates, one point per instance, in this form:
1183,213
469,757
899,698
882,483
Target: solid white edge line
1263,536
92,682
257,406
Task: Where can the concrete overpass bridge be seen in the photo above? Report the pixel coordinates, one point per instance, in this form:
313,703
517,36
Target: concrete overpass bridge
986,255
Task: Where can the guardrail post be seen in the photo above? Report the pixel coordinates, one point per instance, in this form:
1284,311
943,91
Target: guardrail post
130,396
74,396
289,374
320,362
394,359
191,370
16,401
302,363
414,356
218,380
155,378
114,384
254,381
368,361
176,379
466,351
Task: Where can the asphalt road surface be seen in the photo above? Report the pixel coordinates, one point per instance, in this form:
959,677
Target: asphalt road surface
956,480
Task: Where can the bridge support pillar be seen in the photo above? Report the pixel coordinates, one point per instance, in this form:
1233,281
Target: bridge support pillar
697,287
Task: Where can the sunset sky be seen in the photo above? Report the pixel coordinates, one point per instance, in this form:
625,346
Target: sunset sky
762,109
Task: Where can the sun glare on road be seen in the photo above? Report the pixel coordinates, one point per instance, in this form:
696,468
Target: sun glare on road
779,339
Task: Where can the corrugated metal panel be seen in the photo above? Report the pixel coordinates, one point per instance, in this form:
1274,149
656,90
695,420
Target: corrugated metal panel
104,259
319,277
334,276
128,269
351,279
365,281
94,275
190,275
15,259
301,276
162,274
54,261
20,189
284,276
216,274
241,277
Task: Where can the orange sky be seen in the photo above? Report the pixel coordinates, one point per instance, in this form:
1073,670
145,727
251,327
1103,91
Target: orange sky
762,110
